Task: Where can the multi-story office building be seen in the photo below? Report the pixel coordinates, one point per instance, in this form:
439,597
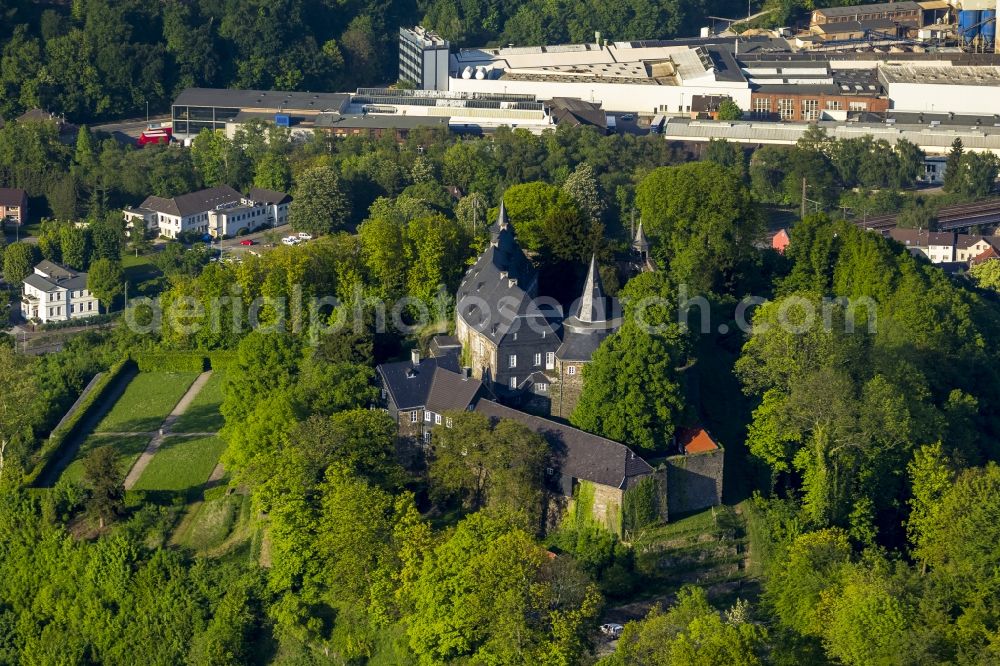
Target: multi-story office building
423,58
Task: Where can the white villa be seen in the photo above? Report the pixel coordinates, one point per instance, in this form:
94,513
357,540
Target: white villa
219,211
56,293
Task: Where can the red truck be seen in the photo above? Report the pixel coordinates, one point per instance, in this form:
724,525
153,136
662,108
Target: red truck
155,134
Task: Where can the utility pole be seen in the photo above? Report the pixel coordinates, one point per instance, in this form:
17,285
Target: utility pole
803,216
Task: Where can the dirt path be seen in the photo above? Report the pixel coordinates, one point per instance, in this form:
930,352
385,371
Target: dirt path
154,444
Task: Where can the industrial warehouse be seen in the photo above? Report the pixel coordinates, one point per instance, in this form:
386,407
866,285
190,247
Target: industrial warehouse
855,66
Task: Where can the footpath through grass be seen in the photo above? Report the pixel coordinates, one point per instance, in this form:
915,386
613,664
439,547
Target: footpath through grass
182,465
147,400
127,450
202,414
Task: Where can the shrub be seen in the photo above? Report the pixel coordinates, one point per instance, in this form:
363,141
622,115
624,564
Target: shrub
70,427
171,361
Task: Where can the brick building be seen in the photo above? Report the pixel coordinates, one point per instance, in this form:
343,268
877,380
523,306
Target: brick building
904,13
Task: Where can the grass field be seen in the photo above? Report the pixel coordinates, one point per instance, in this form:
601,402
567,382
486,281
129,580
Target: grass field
143,277
202,414
128,449
147,400
182,464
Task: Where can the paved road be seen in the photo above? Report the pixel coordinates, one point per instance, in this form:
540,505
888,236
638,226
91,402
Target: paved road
154,445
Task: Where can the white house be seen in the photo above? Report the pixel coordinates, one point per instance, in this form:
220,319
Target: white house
939,247
183,213
276,202
56,293
218,211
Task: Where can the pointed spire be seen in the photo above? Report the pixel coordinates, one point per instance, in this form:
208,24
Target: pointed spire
592,306
501,223
640,243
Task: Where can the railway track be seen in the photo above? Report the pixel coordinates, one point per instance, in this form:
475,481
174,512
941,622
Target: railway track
949,218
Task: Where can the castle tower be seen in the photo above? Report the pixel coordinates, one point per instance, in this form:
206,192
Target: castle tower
592,320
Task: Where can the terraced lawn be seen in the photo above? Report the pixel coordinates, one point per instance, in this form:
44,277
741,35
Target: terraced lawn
147,400
202,414
128,449
182,464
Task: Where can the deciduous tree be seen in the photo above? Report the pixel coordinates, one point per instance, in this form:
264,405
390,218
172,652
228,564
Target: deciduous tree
106,280
320,205
104,479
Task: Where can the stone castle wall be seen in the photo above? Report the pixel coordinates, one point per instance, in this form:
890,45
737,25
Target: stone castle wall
565,391
694,482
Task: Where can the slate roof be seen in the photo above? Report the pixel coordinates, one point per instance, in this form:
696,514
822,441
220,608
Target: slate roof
591,322
260,195
451,391
201,201
578,454
56,276
496,296
575,112
409,384
963,241
640,243
920,238
12,196
38,282
445,345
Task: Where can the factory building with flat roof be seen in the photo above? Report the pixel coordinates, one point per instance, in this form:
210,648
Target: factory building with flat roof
648,77
196,109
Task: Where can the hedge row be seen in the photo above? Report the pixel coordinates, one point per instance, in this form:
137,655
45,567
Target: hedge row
220,360
171,361
63,432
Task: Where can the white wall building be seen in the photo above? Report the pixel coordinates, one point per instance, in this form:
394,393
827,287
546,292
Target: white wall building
423,58
56,293
934,140
237,220
622,76
942,88
183,213
219,211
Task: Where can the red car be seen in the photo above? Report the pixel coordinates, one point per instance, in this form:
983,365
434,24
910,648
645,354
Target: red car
247,241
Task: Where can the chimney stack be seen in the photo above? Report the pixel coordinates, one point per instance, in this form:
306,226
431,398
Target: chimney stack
415,356
466,373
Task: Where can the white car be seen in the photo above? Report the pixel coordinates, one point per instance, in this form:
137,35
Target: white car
290,240
612,629
304,236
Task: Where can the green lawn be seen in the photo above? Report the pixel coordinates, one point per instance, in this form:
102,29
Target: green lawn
202,414
128,449
144,278
181,464
147,400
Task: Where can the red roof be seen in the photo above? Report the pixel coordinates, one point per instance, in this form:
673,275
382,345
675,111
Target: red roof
695,440
988,254
780,240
